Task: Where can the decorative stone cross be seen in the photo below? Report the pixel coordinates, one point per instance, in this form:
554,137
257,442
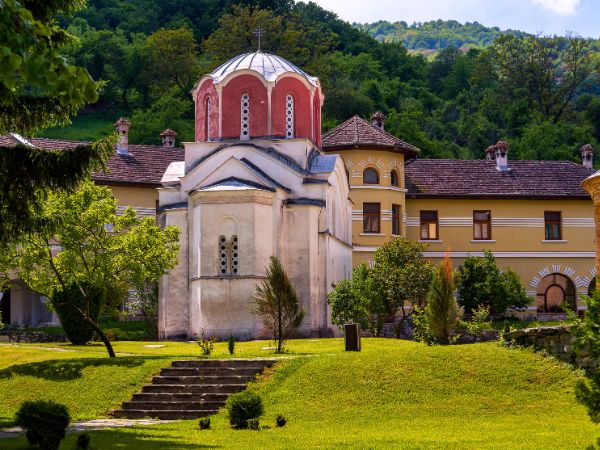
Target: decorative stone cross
259,32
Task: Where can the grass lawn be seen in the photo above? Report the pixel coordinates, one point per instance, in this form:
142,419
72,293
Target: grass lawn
394,394
85,127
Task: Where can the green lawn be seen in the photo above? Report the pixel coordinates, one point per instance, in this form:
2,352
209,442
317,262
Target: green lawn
394,394
85,127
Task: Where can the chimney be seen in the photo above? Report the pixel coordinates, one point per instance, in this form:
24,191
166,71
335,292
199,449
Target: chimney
490,153
168,138
587,155
502,156
122,126
378,119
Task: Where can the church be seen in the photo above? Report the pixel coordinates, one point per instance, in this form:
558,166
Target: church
260,180
255,183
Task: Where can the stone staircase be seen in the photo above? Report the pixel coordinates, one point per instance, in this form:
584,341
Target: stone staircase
192,389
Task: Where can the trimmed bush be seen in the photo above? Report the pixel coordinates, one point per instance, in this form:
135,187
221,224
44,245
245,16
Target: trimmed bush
65,303
280,420
242,407
83,441
45,423
204,423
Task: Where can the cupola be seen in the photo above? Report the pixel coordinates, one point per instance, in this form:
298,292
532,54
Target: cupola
258,96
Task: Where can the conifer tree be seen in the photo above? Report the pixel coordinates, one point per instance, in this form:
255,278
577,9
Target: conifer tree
442,310
277,303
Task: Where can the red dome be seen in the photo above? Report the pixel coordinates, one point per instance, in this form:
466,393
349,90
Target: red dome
258,96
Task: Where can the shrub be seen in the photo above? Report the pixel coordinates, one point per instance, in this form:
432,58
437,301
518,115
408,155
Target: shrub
231,344
204,423
83,441
254,424
207,345
280,420
45,423
242,407
478,322
482,283
67,302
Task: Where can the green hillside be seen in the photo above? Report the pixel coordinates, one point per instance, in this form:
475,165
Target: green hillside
428,37
394,394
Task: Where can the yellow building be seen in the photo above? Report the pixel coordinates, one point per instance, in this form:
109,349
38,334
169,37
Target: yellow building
533,215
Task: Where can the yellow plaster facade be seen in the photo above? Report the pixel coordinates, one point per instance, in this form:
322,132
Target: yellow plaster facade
517,227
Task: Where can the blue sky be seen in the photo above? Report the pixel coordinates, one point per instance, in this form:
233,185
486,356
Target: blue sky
547,16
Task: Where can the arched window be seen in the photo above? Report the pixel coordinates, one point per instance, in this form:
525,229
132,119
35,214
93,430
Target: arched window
555,292
207,119
394,178
228,256
370,176
289,117
245,112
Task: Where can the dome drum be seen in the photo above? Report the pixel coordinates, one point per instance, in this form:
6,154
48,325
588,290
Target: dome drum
258,95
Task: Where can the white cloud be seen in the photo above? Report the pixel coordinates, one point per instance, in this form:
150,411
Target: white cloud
559,6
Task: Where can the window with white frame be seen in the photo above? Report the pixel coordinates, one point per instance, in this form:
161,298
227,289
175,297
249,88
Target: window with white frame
207,119
245,112
289,117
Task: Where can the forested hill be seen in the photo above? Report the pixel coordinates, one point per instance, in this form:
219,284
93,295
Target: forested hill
542,95
429,37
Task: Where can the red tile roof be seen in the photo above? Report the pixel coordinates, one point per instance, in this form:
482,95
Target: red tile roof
357,132
481,179
144,165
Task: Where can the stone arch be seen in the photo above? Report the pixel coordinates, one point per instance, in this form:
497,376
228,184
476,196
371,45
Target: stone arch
554,291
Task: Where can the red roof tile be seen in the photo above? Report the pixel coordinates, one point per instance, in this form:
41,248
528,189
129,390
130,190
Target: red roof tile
356,132
480,178
144,165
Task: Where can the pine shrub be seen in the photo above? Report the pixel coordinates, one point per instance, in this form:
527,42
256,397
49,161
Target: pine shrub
45,423
231,344
242,407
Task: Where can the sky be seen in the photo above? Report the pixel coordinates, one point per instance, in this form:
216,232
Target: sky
581,17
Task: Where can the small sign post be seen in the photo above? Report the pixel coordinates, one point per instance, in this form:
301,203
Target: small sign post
352,331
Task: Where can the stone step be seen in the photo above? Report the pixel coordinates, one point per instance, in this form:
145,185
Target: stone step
174,406
214,371
193,388
207,379
180,397
161,414
237,363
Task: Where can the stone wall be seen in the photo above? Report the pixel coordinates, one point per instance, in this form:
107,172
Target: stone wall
557,340
31,337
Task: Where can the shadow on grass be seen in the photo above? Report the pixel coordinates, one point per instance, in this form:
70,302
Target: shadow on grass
64,370
131,438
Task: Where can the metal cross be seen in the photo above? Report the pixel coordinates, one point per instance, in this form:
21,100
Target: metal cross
259,32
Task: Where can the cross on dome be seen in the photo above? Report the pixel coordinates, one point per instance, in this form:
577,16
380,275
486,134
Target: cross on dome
259,32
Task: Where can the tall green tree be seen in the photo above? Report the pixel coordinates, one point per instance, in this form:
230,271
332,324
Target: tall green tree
87,248
276,302
38,88
404,276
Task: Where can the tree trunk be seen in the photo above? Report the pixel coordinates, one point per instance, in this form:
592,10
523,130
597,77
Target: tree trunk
107,344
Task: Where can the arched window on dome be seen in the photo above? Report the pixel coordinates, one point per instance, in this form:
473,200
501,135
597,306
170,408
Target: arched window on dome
289,117
245,114
394,178
370,176
207,119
